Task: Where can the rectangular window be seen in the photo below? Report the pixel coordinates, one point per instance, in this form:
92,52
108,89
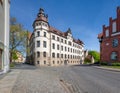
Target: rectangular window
114,27
57,55
57,47
44,62
69,43
62,48
44,54
44,34
38,54
65,42
107,33
53,37
57,38
62,40
61,55
38,43
44,44
68,49
65,49
38,62
53,55
53,46
38,33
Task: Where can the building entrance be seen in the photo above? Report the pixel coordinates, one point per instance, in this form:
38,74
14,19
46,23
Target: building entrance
65,62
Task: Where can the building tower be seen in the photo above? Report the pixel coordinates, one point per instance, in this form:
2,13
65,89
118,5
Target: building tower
41,40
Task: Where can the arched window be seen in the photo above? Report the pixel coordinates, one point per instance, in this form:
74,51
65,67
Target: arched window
114,56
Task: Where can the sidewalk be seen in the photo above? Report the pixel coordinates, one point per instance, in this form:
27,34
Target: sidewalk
7,83
109,69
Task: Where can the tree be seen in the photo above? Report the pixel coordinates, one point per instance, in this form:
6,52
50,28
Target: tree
17,38
95,54
14,56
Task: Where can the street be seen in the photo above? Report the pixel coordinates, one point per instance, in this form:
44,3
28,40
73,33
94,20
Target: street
65,79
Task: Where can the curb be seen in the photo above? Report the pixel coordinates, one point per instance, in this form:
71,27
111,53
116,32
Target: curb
109,69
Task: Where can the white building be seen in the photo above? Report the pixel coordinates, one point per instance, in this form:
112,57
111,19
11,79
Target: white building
4,35
49,46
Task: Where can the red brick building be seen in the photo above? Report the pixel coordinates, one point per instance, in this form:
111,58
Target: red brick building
110,40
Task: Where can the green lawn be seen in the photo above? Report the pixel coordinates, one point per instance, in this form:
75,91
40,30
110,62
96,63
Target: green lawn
117,67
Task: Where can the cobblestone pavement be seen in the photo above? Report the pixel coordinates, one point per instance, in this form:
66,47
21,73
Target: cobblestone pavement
37,80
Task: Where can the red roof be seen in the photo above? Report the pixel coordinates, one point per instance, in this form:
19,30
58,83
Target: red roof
63,34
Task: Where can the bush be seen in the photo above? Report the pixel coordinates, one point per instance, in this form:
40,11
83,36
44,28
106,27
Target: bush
87,61
116,64
12,65
104,63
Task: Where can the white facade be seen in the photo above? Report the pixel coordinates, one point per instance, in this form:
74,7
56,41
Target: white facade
4,35
50,46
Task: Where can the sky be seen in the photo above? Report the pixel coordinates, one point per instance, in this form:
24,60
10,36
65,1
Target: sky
84,17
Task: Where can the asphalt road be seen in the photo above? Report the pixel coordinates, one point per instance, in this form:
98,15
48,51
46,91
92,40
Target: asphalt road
77,79
87,79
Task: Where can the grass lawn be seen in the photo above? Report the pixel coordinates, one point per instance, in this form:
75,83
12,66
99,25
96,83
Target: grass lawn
116,67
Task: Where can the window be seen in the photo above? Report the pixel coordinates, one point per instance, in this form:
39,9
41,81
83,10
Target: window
53,46
37,24
57,47
62,40
65,49
44,44
68,56
38,54
65,42
53,55
113,56
57,55
38,33
44,54
38,62
44,62
57,38
69,43
62,48
68,49
107,33
114,27
65,56
71,56
58,62
115,42
44,34
71,50
38,43
53,62
53,37
61,55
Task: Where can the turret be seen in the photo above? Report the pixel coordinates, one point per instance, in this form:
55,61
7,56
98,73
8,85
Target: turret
41,16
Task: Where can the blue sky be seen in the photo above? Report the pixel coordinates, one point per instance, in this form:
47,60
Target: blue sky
84,17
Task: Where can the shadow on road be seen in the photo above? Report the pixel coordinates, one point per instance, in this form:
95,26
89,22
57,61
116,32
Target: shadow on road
25,67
